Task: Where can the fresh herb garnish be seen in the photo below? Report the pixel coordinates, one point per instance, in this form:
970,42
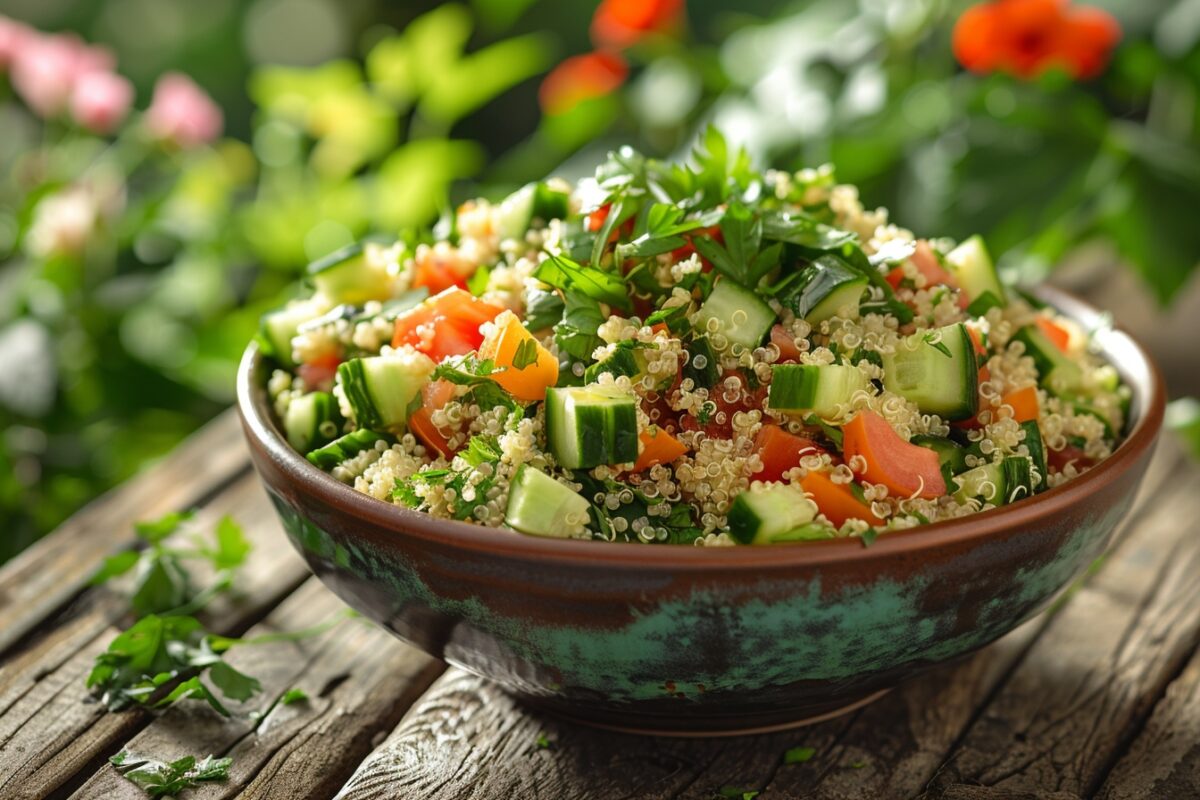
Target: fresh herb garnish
526,354
869,536
479,450
161,581
933,339
598,284
292,696
543,742
165,779
798,755
737,793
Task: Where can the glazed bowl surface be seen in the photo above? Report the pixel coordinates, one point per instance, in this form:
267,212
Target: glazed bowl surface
700,641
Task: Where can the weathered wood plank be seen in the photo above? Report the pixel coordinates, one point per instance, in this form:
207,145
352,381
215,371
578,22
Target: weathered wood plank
1103,660
1164,760
42,579
359,679
467,739
48,732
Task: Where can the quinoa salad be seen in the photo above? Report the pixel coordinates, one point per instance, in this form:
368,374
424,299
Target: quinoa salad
690,353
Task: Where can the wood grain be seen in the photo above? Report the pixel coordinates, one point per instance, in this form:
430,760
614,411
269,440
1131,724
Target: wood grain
43,578
49,729
1164,761
1095,673
359,681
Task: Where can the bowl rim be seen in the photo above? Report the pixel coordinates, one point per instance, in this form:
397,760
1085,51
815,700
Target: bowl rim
1144,378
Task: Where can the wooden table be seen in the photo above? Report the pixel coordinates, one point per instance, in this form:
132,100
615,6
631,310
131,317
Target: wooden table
1098,698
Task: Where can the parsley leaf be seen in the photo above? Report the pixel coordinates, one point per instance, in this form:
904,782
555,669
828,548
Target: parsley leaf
675,318
543,308
161,581
526,354
933,341
164,779
869,536
576,333
598,284
798,755
292,696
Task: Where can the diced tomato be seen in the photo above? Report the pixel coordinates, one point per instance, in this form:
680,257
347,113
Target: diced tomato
434,396
595,220
1058,459
836,500
786,344
437,276
446,324
319,373
1055,333
905,469
781,451
719,424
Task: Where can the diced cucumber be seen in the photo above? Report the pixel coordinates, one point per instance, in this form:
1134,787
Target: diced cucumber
277,328
972,268
823,289
941,377
312,420
812,532
623,361
824,389
951,456
758,514
351,275
587,426
346,447
1000,483
1057,374
1037,452
532,201
744,318
541,506
381,388
702,366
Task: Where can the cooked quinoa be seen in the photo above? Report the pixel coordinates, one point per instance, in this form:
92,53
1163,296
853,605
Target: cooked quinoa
695,353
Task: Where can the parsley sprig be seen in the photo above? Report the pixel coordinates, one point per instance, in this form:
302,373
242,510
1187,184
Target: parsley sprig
169,778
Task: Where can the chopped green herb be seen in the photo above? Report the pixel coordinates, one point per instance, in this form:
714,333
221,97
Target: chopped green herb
165,779
526,354
600,285
933,340
737,793
292,696
858,764
869,536
543,742
798,755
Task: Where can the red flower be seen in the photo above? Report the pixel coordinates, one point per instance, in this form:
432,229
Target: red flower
580,78
1029,37
620,23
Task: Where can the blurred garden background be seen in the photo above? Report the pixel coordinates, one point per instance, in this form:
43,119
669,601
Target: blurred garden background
169,166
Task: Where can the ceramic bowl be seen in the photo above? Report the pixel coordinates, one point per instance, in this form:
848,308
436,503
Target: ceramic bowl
689,640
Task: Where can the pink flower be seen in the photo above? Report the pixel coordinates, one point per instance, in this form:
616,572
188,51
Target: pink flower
46,68
101,100
181,112
13,36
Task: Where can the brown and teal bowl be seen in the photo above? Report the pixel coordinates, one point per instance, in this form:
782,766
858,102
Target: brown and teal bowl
704,640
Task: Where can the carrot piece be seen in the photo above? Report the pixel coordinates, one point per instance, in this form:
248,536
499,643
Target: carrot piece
905,469
895,277
781,451
434,396
1055,333
786,344
1024,403
527,382
836,500
977,340
658,447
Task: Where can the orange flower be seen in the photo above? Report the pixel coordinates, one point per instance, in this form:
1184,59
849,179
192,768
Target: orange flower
580,78
1029,37
620,23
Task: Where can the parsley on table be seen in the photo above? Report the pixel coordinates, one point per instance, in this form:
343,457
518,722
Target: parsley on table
292,696
162,582
165,779
798,755
737,793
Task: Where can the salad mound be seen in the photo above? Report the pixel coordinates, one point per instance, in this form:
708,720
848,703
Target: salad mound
695,353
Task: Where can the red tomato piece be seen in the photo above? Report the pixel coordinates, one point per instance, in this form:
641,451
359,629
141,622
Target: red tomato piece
905,469
786,344
319,373
781,451
434,397
446,324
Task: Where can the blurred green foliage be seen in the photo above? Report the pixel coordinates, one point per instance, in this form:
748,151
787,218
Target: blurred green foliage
351,117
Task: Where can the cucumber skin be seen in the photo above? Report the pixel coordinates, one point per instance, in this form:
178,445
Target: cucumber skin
1037,451
703,377
823,279
968,400
616,443
345,447
1057,374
